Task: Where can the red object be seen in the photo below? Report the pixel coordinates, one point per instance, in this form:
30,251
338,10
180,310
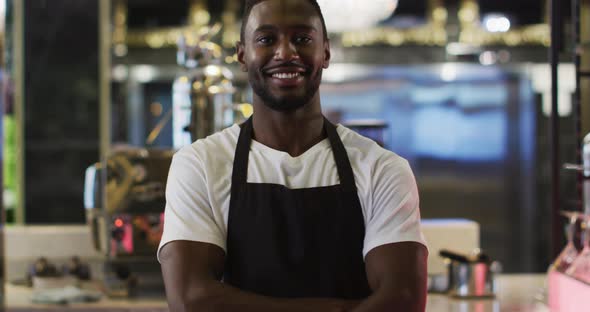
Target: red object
481,273
118,223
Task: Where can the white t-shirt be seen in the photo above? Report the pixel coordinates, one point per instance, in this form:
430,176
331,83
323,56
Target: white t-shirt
199,184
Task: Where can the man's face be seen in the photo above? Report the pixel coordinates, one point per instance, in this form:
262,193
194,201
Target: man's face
284,52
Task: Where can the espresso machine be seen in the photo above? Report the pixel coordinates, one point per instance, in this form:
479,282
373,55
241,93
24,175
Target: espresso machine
124,197
124,194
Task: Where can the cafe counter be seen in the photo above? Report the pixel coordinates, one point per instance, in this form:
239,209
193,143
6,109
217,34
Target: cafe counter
515,292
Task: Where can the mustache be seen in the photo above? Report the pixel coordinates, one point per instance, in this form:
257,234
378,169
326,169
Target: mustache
286,64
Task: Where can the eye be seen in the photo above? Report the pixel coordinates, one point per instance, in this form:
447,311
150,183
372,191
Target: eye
302,39
265,40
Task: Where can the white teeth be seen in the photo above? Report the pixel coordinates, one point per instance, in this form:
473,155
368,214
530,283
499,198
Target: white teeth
285,75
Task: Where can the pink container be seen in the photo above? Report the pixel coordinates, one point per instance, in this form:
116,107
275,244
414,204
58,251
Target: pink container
567,294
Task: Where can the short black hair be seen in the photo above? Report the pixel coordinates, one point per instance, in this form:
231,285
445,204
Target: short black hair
249,4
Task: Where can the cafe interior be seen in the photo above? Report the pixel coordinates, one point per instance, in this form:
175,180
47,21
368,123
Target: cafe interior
488,100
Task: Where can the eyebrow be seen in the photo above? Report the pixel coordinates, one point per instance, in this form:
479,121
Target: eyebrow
269,27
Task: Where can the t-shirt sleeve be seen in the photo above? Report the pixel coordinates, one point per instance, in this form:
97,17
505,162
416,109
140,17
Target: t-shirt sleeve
188,214
394,215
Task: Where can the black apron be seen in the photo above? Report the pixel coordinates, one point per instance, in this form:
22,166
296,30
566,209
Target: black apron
295,243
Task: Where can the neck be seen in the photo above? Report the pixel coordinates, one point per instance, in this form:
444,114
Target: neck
291,132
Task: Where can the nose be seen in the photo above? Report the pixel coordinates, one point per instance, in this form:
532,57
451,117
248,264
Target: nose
286,51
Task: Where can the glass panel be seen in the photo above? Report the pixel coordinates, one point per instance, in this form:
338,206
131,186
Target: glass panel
464,128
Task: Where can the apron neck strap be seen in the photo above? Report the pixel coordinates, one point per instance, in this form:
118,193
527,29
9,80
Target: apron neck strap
341,157
240,169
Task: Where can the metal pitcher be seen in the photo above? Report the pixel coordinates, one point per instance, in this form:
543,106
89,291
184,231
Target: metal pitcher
470,276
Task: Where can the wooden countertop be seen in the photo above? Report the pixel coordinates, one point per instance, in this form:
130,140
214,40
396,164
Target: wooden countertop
516,292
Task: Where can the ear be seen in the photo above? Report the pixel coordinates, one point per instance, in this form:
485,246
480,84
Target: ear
240,50
327,54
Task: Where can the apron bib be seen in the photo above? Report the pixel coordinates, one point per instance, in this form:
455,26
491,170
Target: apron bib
295,243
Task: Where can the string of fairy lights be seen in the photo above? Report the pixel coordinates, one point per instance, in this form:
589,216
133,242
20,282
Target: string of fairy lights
362,33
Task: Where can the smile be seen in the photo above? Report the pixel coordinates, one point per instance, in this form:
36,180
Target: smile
286,75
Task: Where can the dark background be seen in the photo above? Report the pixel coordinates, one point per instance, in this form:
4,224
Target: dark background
61,107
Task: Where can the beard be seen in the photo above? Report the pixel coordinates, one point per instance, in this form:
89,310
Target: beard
289,103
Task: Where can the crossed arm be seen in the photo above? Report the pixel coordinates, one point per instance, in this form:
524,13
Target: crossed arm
192,272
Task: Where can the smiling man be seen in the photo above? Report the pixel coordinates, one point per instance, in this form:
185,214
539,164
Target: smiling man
289,212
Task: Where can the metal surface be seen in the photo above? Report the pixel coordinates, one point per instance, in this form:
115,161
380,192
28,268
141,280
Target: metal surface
470,280
104,26
577,98
575,167
557,236
470,276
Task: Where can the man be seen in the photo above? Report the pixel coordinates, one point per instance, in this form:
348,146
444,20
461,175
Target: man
288,212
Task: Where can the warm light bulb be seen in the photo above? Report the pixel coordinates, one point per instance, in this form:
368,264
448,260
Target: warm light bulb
346,15
496,23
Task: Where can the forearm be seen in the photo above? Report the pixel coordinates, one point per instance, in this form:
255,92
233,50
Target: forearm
220,297
397,275
390,299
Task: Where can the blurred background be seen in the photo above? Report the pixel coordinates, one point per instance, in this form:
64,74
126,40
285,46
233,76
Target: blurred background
460,88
